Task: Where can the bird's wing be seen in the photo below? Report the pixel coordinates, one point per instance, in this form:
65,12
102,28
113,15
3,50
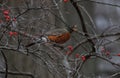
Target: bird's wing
55,32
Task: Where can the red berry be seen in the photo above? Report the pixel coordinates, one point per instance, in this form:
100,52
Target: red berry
10,33
83,58
7,17
77,55
6,12
14,19
107,53
118,54
65,1
15,33
70,48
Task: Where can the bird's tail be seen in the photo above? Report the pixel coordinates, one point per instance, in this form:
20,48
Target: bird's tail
30,44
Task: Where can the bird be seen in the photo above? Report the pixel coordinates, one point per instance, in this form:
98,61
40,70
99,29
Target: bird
58,35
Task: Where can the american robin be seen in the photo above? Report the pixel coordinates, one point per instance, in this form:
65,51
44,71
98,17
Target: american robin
60,36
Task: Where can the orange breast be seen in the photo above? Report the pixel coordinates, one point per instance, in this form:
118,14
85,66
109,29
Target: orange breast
60,39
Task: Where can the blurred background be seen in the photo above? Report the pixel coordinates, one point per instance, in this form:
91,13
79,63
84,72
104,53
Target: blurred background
43,61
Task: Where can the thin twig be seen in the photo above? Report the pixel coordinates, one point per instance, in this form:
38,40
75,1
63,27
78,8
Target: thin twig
18,73
107,60
78,68
94,38
109,4
113,76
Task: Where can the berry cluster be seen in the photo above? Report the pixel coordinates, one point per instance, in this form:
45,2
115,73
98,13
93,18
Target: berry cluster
77,55
6,15
13,33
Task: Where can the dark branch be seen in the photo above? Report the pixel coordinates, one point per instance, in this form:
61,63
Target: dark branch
82,22
18,73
